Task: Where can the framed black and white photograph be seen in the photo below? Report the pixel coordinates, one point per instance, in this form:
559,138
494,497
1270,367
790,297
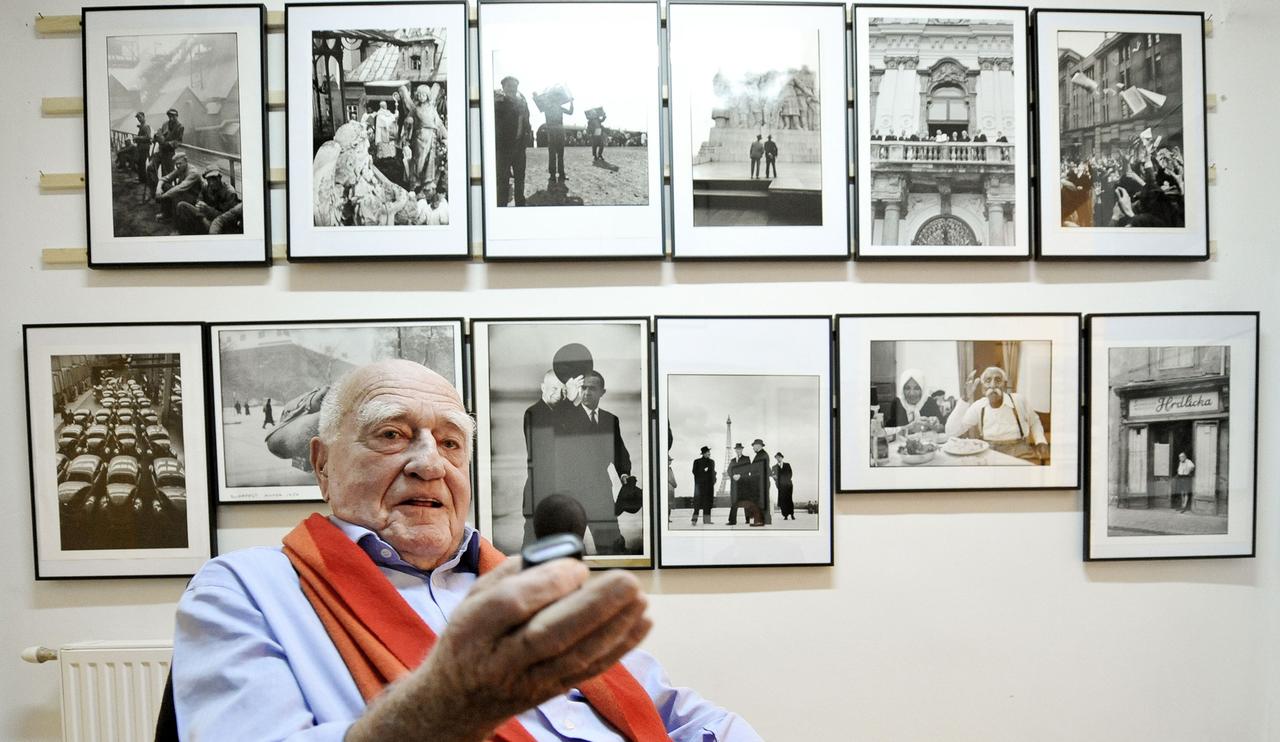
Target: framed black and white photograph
570,129
175,135
116,426
745,405
270,378
959,402
562,417
942,132
377,130
759,139
1172,435
1121,155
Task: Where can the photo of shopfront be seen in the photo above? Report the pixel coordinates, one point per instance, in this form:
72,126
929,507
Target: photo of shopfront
1168,413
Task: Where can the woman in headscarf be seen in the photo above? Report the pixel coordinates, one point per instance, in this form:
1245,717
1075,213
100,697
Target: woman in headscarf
912,403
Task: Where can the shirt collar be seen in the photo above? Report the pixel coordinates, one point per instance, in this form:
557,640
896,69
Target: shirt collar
465,559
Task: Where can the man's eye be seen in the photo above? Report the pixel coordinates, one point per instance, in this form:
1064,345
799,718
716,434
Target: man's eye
450,443
390,435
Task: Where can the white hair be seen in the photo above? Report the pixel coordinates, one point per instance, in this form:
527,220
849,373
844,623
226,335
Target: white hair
338,403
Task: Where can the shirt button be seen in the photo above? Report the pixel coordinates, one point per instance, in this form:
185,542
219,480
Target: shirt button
569,725
386,553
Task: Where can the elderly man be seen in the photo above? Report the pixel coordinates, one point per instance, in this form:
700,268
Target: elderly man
392,619
999,417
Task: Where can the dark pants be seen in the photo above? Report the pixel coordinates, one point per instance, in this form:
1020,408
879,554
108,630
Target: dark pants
1182,492
555,151
597,146
702,503
141,164
755,167
770,164
511,165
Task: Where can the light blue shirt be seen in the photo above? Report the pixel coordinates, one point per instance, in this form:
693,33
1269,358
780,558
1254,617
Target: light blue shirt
251,660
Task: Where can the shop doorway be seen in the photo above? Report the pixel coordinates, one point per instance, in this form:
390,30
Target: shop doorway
1166,441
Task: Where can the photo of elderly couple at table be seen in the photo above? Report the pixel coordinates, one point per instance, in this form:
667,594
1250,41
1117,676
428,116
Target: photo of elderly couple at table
994,391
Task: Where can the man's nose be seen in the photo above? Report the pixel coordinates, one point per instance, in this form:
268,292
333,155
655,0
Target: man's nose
425,460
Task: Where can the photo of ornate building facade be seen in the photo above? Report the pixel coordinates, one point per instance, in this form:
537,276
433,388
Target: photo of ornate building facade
944,118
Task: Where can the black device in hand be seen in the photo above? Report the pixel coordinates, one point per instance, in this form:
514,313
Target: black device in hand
551,547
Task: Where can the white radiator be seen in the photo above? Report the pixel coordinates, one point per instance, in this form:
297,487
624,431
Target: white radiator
111,690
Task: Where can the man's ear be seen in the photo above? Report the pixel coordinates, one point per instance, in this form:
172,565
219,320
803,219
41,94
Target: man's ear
319,460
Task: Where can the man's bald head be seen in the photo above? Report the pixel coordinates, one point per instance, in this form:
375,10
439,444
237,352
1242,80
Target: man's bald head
346,392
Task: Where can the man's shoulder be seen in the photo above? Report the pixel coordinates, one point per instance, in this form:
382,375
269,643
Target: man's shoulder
244,567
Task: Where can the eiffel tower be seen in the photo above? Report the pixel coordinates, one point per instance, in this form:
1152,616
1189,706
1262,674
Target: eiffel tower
728,456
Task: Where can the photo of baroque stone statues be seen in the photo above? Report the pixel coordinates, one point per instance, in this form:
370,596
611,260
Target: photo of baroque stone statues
756,127
715,482
568,132
1121,130
1168,425
380,121
175,134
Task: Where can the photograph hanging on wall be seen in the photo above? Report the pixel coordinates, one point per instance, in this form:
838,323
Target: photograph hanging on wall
942,132
747,463
1121,101
116,422
759,136
270,378
562,413
377,133
958,402
175,135
1172,436
571,130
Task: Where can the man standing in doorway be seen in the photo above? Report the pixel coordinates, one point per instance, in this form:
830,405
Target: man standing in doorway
1182,482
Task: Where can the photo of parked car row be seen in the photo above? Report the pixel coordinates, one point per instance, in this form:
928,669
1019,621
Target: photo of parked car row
120,471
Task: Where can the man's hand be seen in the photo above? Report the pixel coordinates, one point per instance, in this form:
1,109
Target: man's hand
518,639
971,384
573,390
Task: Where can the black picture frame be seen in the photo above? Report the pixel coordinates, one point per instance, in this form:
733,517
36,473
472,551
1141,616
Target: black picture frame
302,358
105,249
1193,358
572,234
308,242
1056,240
762,242
129,493
718,359
534,348
917,158
940,470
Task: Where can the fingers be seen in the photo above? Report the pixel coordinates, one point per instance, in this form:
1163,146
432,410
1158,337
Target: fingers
557,629
508,597
597,651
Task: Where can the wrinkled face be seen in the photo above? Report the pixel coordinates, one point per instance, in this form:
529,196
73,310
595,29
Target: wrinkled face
993,386
552,389
912,392
399,463
592,391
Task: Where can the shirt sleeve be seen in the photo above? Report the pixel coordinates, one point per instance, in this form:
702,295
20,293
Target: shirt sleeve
230,676
959,421
1033,422
688,716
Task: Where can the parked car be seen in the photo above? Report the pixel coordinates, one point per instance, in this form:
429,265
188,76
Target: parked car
148,415
60,462
156,440
124,441
69,439
95,440
82,416
102,417
108,402
84,474
125,416
122,481
170,484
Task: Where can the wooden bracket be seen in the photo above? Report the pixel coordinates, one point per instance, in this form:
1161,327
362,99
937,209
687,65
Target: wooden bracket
275,21
57,25
61,182
1212,174
276,177
61,256
275,100
62,106
1208,28
1211,101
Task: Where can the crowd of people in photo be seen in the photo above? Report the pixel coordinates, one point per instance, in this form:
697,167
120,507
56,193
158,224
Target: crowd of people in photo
964,147
1141,187
749,479
191,200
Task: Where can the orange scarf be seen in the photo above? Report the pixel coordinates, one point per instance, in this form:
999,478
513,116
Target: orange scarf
382,639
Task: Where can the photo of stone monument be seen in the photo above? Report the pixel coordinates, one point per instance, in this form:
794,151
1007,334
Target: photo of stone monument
757,133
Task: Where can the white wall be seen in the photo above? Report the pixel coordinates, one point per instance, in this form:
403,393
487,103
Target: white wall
954,617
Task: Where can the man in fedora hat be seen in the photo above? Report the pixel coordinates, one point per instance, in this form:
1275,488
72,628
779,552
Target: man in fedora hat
781,474
758,482
739,482
704,486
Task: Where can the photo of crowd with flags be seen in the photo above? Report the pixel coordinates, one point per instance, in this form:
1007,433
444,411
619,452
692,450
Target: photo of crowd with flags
1121,143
